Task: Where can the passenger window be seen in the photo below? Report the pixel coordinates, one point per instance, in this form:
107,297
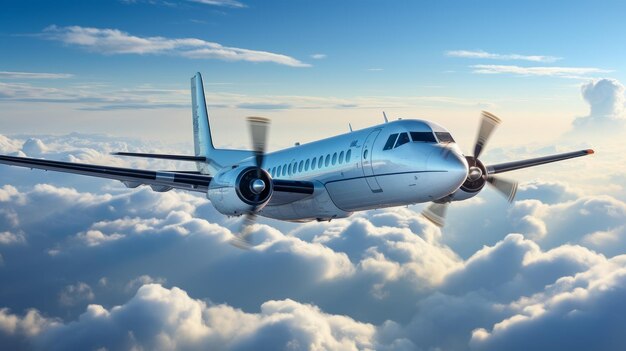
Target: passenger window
390,141
334,158
306,165
402,139
425,137
300,166
341,158
365,154
273,172
348,154
320,162
314,163
327,161
279,169
284,170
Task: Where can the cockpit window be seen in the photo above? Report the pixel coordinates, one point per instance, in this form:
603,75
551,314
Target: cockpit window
402,139
444,137
390,141
424,137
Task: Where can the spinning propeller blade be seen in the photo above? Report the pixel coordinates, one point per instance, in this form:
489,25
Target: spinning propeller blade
488,123
504,186
436,213
258,127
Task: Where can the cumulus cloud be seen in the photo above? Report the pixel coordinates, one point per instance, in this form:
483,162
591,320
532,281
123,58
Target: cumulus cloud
157,318
480,54
114,42
607,102
576,313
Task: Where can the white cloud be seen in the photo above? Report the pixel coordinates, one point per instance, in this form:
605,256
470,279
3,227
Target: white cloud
76,293
223,3
318,56
547,71
607,107
96,237
135,283
33,75
479,54
115,42
573,313
157,318
8,238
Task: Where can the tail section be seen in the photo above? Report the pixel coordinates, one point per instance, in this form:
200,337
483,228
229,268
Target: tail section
203,144
215,159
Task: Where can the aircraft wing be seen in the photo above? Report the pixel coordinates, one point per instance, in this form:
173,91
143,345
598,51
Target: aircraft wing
511,166
132,178
285,190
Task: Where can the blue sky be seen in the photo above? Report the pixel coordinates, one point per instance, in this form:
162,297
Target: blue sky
338,61
407,40
89,264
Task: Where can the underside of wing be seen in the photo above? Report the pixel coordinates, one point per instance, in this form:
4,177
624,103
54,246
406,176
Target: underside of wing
288,191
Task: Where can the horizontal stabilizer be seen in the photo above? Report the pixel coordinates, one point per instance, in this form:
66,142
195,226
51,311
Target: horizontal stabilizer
163,156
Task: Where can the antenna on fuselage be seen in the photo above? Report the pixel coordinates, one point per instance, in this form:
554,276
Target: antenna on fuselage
350,126
385,117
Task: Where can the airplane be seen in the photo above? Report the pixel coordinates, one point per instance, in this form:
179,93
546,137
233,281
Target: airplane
396,163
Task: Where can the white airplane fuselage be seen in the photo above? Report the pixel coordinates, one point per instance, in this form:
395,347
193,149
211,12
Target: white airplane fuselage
356,173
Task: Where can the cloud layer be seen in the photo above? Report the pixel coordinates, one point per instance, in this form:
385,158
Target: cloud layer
89,264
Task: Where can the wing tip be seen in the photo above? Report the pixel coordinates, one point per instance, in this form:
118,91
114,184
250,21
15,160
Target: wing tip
590,151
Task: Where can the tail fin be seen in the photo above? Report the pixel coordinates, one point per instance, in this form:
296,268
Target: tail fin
203,144
214,159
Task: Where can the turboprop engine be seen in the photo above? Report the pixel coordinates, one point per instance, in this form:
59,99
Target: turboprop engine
240,190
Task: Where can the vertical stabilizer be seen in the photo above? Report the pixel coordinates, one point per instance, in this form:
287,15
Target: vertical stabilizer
203,144
216,159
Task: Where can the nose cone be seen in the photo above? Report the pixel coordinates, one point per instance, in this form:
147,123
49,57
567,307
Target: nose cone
451,170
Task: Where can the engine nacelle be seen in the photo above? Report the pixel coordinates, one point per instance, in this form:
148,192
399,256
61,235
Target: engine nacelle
236,191
471,188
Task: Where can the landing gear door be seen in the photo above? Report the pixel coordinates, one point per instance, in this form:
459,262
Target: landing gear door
366,161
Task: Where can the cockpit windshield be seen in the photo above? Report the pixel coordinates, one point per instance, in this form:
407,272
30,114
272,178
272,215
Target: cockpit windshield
444,137
424,137
398,139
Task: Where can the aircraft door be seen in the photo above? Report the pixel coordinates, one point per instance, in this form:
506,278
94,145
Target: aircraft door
366,161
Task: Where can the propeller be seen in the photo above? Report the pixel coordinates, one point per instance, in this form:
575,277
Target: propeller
477,175
258,127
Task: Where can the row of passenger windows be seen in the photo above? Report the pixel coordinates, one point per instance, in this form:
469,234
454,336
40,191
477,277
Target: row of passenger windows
311,164
398,139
